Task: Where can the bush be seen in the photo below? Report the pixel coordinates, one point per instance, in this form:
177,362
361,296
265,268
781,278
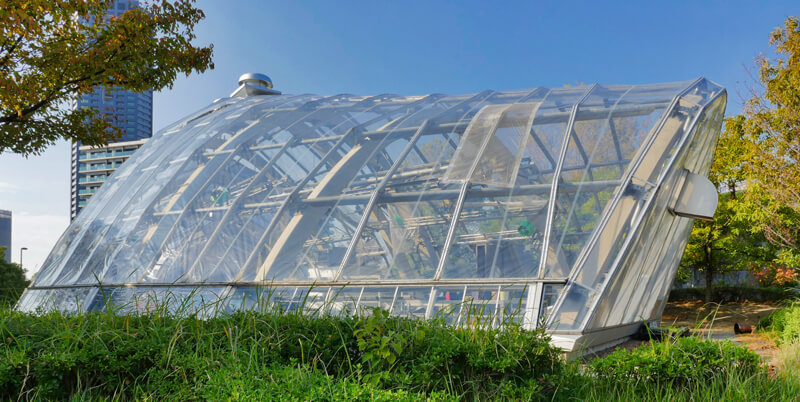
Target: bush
727,294
12,281
679,362
783,323
159,356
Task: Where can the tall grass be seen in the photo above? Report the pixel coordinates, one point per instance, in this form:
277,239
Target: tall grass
174,347
177,349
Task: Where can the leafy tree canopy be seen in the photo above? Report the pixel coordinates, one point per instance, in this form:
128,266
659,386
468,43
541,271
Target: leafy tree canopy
770,132
728,242
12,280
757,224
52,51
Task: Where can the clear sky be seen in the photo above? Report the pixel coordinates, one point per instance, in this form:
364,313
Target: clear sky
418,47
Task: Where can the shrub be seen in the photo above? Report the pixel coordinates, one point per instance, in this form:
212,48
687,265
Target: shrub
783,323
678,362
160,356
727,294
12,280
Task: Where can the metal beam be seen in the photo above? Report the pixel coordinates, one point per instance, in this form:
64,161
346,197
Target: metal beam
289,198
373,199
462,193
556,179
239,200
612,204
316,284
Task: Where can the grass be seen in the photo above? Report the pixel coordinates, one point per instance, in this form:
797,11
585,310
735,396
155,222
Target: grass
783,324
311,354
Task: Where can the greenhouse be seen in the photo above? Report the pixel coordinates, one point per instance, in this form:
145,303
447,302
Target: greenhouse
564,208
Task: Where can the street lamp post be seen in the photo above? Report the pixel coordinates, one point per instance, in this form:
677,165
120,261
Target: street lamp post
20,255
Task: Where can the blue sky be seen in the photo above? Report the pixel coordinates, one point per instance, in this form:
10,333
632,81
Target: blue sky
417,47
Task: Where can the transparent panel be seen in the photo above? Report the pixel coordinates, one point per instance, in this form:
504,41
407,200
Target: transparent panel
500,160
376,297
474,142
411,301
447,302
401,241
480,306
344,300
498,237
550,294
611,125
513,301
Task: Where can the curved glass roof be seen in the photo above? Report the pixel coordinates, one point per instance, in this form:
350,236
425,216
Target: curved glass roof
413,202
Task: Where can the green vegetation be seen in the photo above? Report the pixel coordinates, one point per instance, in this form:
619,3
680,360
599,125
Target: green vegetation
681,362
783,324
12,281
250,353
306,356
757,224
54,50
728,294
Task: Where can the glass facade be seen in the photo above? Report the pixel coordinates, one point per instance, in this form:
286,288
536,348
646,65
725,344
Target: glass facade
549,207
5,233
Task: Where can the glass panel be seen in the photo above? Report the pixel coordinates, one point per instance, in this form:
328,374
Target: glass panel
411,301
344,300
447,302
611,125
380,297
309,300
480,306
480,130
642,255
550,294
498,237
260,299
30,301
513,301
500,159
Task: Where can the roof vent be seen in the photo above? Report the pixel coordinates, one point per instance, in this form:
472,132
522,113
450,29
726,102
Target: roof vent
253,84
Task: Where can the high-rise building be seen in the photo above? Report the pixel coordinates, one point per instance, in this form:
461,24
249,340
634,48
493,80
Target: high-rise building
5,232
132,112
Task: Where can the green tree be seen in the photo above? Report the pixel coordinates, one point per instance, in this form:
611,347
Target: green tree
770,129
728,242
12,281
52,51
